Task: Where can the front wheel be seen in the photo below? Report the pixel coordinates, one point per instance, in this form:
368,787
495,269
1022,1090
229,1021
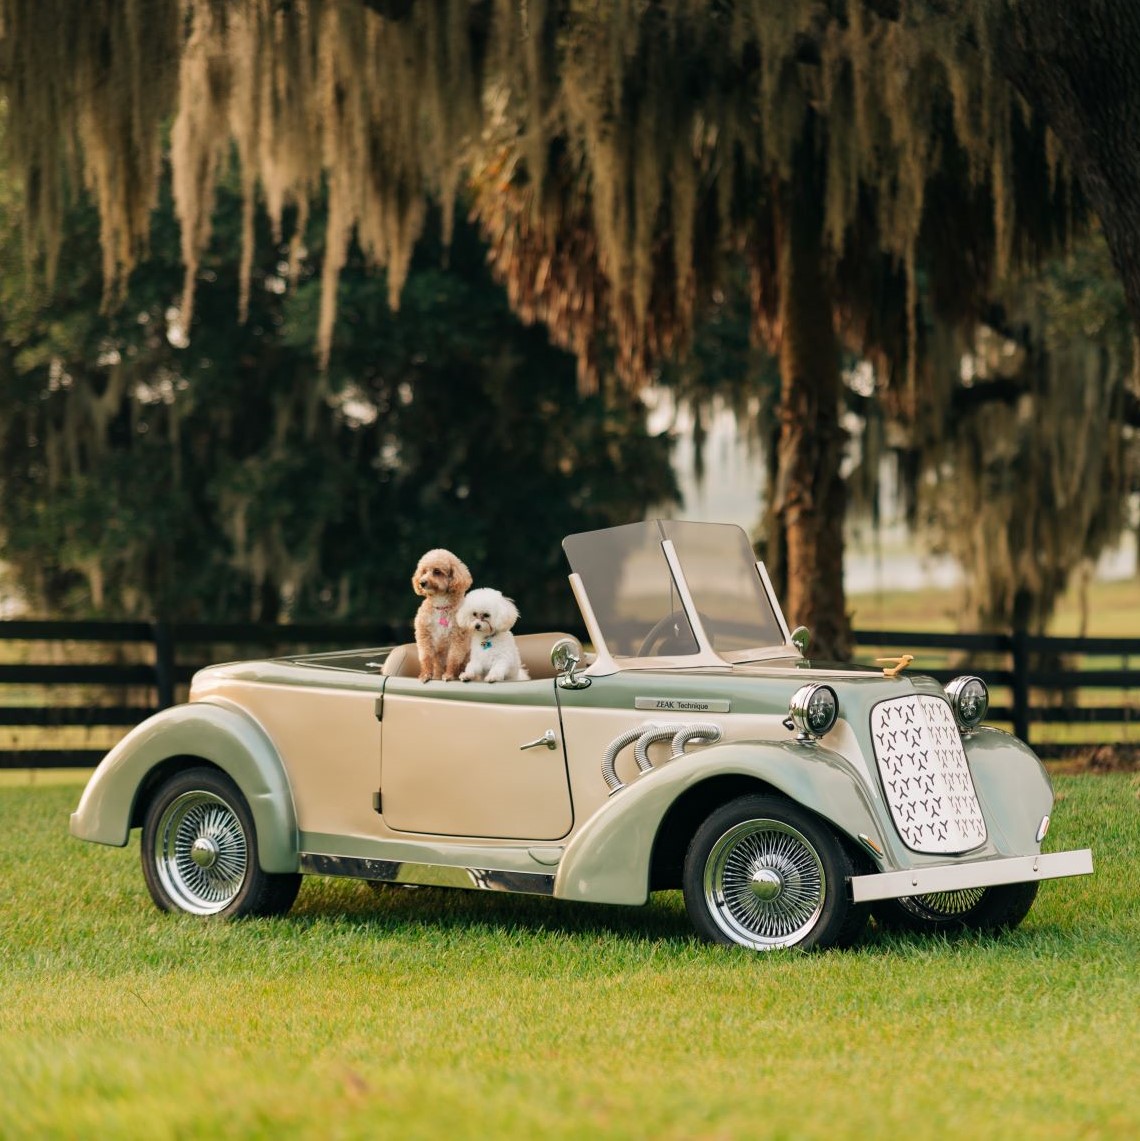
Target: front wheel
199,851
998,908
761,872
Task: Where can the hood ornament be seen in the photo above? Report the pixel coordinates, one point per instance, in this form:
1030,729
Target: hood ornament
892,667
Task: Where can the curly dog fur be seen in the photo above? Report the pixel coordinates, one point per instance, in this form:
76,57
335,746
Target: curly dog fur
441,580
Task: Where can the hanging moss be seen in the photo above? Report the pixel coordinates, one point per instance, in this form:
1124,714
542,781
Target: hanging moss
89,87
616,157
1028,479
648,118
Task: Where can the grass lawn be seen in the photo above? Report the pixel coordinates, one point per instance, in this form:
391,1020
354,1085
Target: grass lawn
1113,610
430,1014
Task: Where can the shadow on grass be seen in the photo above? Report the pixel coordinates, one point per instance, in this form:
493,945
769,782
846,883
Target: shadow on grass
392,909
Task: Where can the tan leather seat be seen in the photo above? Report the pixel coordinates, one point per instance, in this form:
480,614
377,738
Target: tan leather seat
403,661
534,649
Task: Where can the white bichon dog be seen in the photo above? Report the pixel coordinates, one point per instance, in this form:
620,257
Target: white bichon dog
489,616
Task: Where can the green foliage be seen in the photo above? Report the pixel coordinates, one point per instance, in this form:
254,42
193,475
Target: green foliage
227,477
436,1013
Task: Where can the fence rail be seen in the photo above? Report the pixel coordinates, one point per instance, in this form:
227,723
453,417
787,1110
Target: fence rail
102,677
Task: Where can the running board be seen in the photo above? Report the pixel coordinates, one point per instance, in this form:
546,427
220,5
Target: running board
429,875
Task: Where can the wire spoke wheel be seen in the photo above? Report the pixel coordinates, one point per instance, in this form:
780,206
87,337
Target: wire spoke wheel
944,904
201,852
764,884
763,873
998,908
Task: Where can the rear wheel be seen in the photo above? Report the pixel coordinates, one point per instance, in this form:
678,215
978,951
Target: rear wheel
199,851
999,908
761,872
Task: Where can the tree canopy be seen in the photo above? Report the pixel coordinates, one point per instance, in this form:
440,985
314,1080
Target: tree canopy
878,167
224,476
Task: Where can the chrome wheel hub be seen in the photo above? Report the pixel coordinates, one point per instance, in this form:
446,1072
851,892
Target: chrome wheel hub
204,852
201,853
764,884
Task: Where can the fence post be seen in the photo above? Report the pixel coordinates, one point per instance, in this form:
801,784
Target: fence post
163,664
1020,650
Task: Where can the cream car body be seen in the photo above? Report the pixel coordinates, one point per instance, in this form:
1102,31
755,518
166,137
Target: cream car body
666,758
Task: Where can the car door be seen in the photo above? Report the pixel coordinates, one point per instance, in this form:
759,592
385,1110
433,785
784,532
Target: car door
474,759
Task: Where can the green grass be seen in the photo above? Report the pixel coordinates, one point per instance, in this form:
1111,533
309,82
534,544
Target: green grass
427,1014
1113,610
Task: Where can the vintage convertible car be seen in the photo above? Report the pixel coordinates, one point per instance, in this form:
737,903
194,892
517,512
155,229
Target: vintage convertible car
694,747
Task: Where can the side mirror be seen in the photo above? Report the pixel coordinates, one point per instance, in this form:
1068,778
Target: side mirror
565,655
801,639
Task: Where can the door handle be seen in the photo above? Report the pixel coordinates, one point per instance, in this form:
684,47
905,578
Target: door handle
548,739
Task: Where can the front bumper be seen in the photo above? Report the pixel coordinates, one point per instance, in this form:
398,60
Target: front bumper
985,873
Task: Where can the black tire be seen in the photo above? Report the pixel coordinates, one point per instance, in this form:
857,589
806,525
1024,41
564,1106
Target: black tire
763,873
199,851
999,908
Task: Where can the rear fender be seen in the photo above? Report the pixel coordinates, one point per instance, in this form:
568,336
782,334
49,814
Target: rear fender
216,732
609,859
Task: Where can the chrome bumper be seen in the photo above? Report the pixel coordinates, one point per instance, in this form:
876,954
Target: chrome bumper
985,873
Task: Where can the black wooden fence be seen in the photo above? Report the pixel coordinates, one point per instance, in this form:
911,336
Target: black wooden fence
108,676
102,677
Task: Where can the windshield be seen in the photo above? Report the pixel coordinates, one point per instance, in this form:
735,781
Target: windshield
637,601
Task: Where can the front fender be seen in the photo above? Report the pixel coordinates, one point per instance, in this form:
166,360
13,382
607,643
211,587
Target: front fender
1014,789
608,861
208,730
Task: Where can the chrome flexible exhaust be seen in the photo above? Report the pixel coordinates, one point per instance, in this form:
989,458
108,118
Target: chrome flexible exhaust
645,736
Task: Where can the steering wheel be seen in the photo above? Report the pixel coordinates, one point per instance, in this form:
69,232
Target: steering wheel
669,635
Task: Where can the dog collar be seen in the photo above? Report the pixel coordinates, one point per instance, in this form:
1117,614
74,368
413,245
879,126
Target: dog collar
442,612
486,643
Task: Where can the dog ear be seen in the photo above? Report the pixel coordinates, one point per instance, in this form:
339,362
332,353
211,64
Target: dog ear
510,613
416,583
463,617
460,577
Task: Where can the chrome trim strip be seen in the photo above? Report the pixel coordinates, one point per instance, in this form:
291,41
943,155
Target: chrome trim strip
431,875
982,873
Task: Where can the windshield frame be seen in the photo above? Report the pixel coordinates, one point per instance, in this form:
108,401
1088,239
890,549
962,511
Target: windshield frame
607,660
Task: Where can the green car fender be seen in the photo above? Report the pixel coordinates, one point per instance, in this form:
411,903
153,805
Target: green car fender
212,731
608,860
1013,787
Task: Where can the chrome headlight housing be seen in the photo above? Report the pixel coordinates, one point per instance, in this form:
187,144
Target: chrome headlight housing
969,698
814,709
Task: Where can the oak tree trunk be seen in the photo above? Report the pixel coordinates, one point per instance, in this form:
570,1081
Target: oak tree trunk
809,498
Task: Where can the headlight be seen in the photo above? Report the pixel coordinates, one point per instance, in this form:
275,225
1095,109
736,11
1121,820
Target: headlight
969,699
814,709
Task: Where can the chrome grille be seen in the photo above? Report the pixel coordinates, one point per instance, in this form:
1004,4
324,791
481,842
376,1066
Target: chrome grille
925,776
